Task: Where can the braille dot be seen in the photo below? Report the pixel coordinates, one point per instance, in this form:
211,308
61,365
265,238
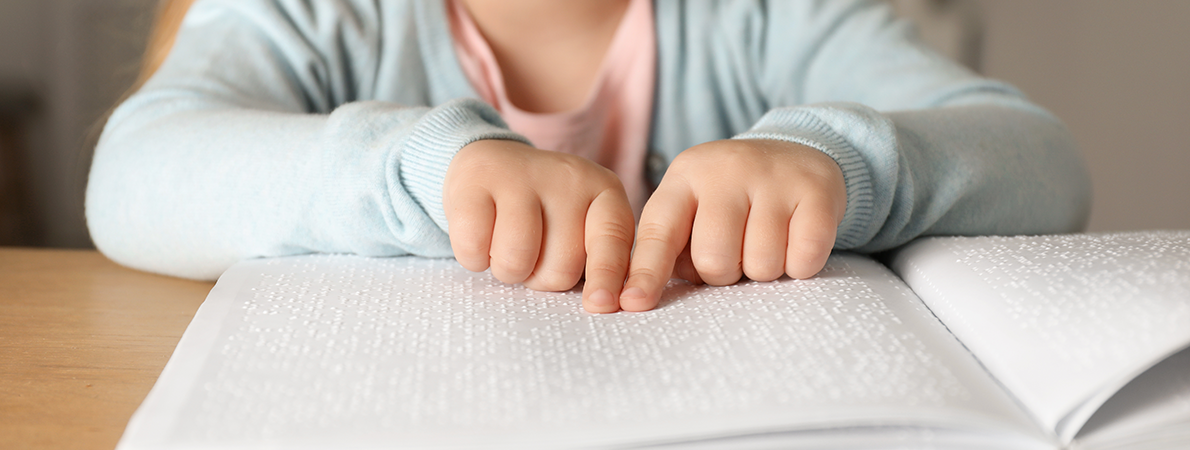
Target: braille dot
409,345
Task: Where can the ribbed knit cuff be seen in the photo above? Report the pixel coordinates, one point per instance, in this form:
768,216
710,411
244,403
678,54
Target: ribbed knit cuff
802,125
433,143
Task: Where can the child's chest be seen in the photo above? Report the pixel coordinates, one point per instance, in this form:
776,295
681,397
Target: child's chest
550,59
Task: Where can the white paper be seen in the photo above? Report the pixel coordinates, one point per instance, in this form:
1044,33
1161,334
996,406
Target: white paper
349,352
1062,321
1151,412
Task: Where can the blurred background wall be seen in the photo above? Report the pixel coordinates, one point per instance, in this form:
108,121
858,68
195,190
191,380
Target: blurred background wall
63,63
1117,72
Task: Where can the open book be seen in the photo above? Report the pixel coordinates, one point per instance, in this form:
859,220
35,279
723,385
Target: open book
1049,342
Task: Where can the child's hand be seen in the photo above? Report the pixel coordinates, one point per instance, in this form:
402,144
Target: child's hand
747,207
538,217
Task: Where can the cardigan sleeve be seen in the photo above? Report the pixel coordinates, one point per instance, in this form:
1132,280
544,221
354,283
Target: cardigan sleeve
926,146
250,141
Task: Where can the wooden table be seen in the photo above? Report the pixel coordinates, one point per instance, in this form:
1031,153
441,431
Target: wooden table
81,342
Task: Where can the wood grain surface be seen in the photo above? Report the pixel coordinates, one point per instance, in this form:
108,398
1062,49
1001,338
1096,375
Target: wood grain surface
82,340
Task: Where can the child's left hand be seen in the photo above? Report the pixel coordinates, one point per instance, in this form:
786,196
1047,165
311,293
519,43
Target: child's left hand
760,208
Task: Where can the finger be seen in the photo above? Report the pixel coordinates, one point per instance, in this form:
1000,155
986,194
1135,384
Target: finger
717,239
684,267
560,264
516,238
663,232
609,230
811,237
471,217
765,240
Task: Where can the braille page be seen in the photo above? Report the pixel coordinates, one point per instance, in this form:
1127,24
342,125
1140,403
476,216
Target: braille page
349,352
1062,321
1151,412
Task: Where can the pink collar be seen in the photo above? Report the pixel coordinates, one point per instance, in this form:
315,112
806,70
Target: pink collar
611,128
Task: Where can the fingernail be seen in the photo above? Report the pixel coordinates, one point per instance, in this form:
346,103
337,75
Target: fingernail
632,294
602,299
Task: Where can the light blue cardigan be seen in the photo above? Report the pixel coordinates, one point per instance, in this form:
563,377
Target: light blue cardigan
283,127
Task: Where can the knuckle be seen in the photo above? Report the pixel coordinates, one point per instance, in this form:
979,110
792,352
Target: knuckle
652,232
738,154
512,268
723,280
821,181
647,273
619,233
813,247
472,262
470,253
519,258
685,158
600,271
803,264
803,269
689,162
716,269
478,164
468,249
579,169
719,163
605,178
764,270
553,279
574,175
571,168
825,178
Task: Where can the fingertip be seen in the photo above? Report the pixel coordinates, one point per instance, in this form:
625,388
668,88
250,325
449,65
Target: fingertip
807,267
608,243
471,233
636,299
473,265
511,273
663,231
812,234
803,274
516,241
602,301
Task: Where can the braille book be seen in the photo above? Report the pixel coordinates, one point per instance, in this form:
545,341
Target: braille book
1046,342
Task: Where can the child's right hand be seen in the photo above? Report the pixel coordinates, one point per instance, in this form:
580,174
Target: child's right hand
539,217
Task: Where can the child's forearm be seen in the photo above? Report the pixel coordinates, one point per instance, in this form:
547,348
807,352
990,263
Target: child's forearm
994,167
248,142
927,147
189,193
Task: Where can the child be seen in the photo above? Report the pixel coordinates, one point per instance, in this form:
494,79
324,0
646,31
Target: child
773,132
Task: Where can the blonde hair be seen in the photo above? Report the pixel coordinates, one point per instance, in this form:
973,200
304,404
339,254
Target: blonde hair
161,38
166,21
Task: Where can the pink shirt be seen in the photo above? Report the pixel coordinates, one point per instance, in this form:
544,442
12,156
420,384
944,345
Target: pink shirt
612,126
